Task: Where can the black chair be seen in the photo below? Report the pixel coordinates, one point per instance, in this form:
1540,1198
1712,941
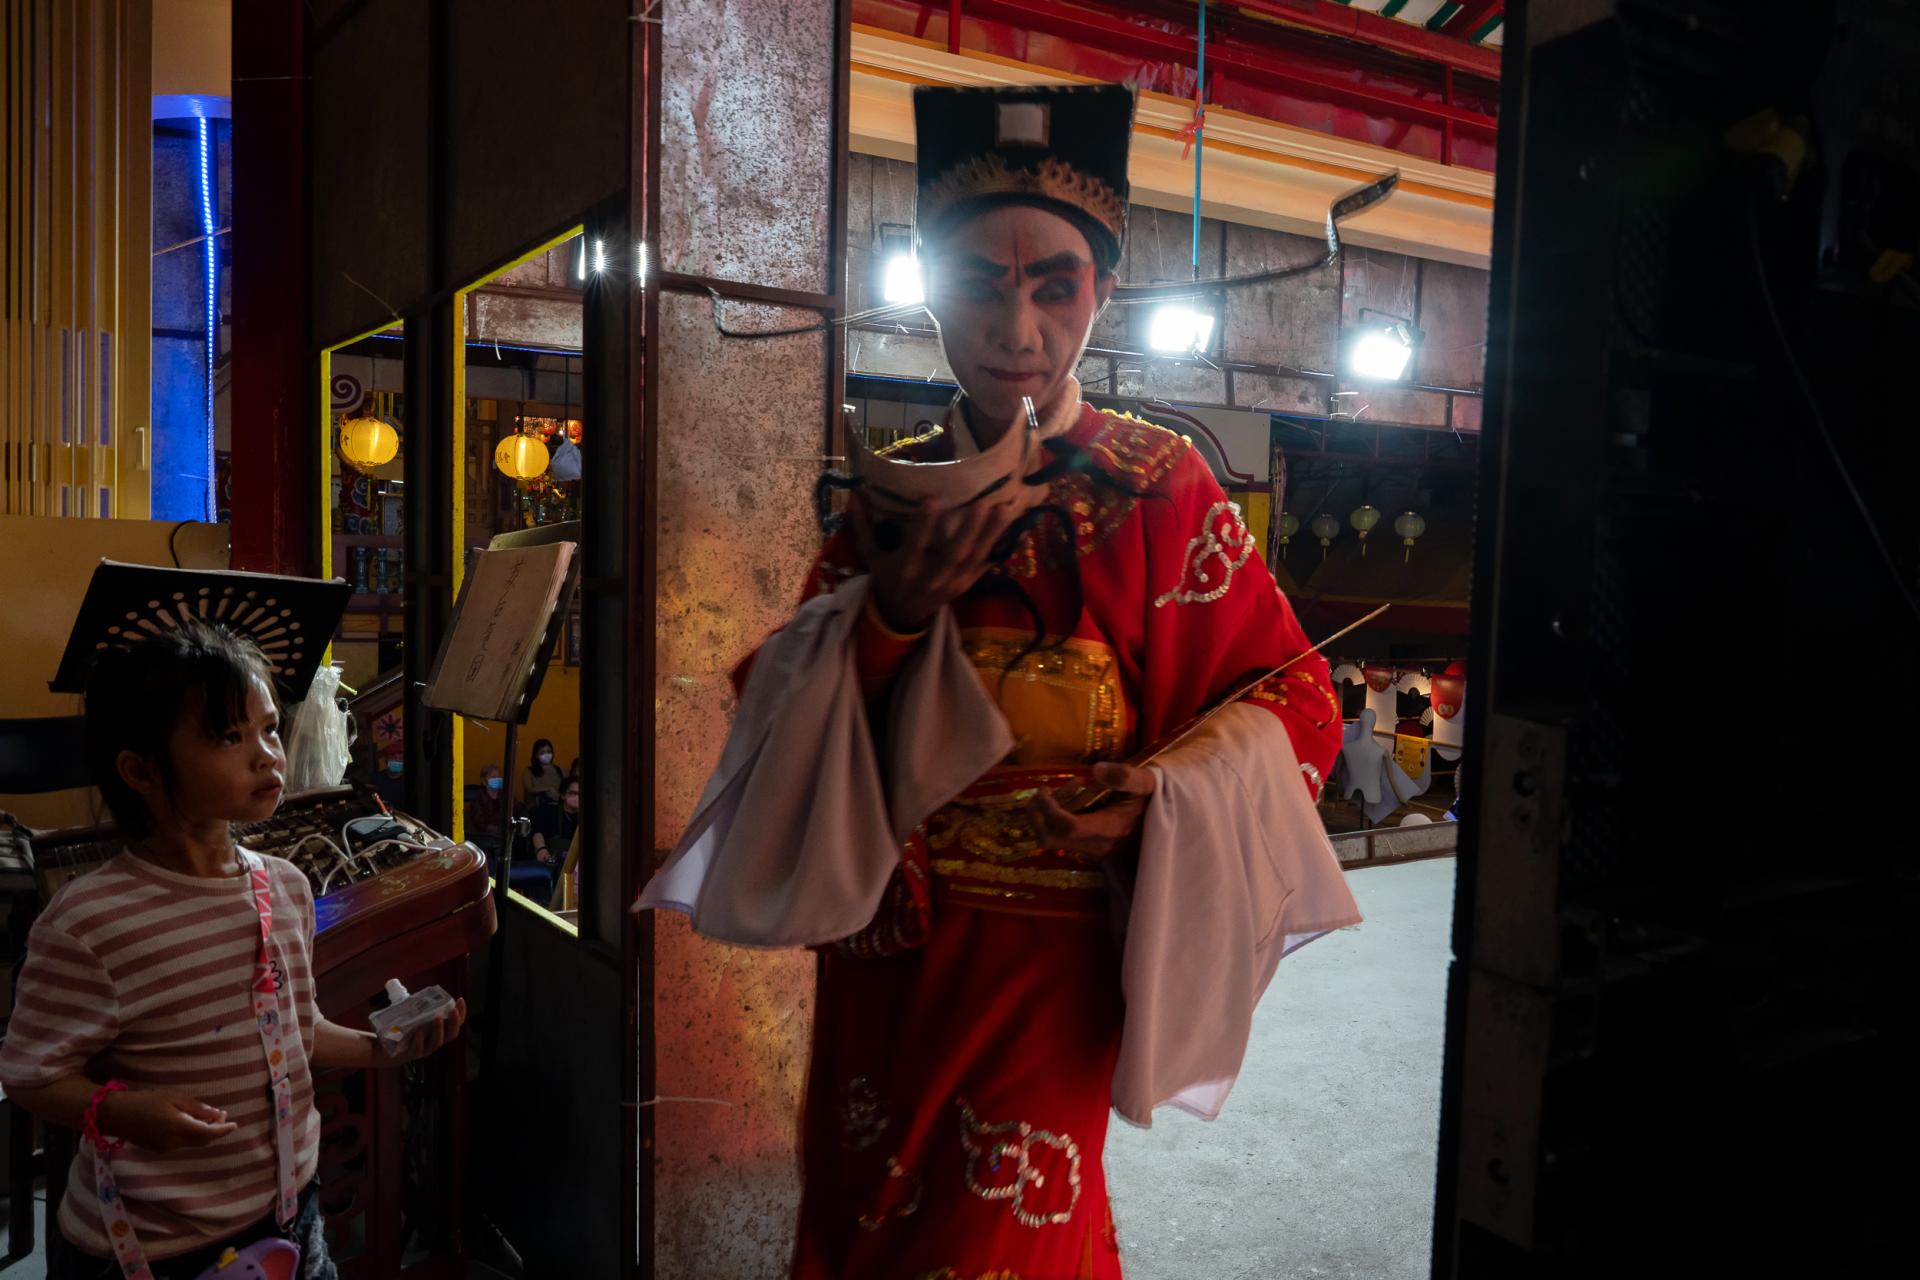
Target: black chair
36,756
41,755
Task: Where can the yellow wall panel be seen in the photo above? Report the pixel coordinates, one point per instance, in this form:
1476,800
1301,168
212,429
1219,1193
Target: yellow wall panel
76,233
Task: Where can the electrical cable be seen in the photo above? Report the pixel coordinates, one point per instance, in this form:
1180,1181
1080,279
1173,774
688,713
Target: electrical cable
1814,415
1353,202
893,311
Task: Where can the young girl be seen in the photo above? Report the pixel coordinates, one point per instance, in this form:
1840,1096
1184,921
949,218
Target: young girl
166,1008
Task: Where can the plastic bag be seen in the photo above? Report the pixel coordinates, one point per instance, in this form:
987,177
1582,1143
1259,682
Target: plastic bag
319,735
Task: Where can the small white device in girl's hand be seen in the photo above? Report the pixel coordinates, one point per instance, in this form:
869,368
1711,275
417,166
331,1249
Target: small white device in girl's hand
406,1013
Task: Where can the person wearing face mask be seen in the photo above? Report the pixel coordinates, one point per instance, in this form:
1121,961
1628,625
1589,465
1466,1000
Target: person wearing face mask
543,778
484,811
390,780
1018,602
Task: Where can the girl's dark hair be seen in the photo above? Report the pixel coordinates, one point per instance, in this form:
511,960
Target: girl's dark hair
137,696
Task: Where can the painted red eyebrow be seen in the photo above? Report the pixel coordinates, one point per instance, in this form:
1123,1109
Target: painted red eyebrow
1058,264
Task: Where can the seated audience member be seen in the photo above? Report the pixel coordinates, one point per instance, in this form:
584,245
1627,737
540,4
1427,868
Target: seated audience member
554,825
484,811
541,785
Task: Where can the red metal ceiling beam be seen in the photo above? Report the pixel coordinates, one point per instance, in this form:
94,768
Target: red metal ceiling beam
1103,30
1385,33
1471,16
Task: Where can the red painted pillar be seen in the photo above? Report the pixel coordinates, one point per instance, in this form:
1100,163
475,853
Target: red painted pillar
273,456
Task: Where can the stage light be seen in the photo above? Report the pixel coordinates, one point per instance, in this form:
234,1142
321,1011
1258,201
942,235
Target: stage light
1381,351
1179,330
593,257
900,281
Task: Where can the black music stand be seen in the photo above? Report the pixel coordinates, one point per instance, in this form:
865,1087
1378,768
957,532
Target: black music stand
542,535
291,619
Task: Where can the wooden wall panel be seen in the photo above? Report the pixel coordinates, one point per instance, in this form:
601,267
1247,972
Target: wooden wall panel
528,155
371,177
74,343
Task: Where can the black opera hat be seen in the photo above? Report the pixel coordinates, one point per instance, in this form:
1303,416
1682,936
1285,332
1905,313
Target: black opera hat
1060,146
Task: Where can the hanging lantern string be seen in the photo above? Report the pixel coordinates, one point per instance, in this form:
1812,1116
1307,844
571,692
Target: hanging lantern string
1190,131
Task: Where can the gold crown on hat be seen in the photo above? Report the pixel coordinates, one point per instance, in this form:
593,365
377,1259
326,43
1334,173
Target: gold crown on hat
1052,178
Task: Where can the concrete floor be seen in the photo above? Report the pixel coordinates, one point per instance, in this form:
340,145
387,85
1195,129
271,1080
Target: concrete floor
1322,1163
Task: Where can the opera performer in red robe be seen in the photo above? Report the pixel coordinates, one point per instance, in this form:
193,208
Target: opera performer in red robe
1020,600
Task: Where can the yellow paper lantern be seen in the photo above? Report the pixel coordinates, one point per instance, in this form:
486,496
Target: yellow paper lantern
522,457
368,442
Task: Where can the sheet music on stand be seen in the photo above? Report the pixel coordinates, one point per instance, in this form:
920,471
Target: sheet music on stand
504,628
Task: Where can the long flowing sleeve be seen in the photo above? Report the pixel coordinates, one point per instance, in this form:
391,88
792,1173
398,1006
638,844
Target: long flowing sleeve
1235,868
800,828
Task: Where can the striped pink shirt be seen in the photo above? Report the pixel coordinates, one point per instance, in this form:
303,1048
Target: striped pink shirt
150,971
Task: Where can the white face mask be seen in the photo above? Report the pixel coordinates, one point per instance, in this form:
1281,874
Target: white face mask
545,757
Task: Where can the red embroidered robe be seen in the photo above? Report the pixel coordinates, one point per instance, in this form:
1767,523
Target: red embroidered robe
964,1044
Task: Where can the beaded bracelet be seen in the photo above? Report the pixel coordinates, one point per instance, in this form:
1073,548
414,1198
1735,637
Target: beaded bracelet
90,1118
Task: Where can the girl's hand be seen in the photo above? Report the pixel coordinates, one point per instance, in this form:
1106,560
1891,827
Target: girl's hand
430,1039
541,855
159,1120
942,553
1100,833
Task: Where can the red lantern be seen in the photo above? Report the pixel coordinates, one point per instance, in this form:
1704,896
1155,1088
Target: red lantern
1449,691
1379,679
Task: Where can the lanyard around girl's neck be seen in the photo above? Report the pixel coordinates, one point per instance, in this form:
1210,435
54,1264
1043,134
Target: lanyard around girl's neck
265,992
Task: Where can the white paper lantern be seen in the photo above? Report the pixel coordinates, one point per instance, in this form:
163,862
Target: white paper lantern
1326,528
1409,525
1363,518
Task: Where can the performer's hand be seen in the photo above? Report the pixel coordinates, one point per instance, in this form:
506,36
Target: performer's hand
1106,829
942,553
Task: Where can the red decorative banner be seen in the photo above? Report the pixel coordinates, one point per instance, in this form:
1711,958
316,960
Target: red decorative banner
1448,691
1379,679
